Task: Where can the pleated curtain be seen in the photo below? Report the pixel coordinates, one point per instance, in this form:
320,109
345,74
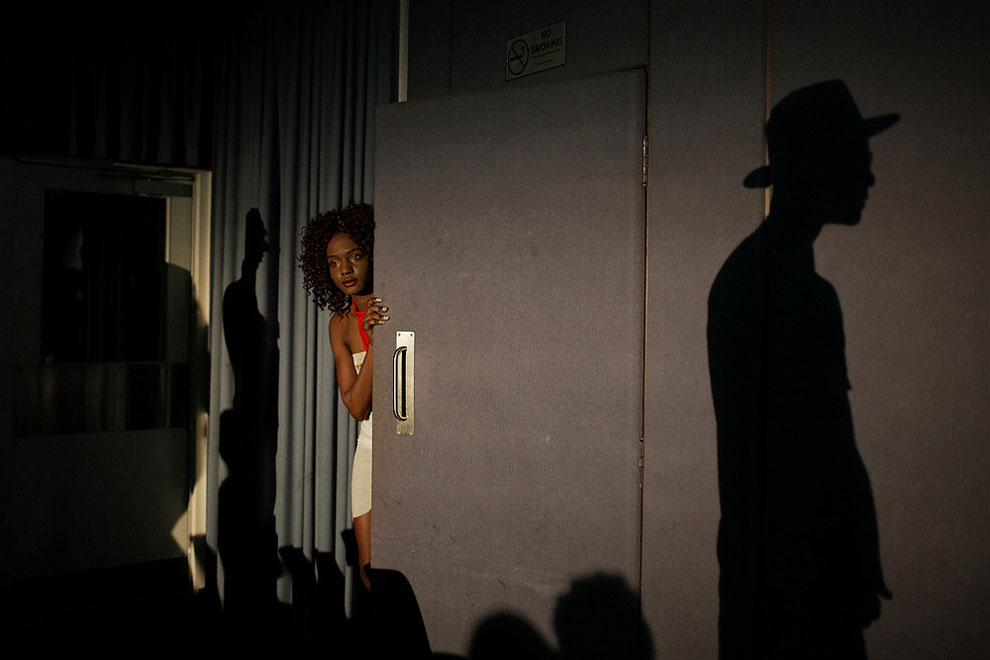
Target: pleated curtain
278,100
297,84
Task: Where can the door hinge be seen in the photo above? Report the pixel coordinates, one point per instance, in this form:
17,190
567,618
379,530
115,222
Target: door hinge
646,159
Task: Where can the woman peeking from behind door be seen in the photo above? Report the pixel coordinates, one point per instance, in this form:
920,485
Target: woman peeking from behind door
336,260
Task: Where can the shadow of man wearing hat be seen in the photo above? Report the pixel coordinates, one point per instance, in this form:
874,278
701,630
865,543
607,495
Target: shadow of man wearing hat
797,543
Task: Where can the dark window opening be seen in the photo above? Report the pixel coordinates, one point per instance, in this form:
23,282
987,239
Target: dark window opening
103,292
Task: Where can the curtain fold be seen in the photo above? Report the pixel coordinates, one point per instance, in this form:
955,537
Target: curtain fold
296,84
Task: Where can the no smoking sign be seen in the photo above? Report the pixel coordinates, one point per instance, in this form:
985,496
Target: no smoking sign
537,51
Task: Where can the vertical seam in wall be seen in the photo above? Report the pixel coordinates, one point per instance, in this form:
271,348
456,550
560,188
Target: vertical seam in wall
646,301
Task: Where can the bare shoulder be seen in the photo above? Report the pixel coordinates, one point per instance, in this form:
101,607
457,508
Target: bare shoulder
339,327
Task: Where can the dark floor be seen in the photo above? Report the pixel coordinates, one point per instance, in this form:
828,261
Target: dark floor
150,609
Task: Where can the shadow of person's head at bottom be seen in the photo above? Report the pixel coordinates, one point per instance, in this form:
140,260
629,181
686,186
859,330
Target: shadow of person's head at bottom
598,616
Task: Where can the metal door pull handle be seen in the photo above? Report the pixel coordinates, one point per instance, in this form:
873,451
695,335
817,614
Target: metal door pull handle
399,415
404,382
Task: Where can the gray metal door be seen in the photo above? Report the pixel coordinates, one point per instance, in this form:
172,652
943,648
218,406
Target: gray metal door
510,241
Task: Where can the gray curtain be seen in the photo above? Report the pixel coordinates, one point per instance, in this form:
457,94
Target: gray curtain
296,86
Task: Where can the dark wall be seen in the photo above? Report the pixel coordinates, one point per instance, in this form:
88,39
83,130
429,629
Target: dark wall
89,481
115,80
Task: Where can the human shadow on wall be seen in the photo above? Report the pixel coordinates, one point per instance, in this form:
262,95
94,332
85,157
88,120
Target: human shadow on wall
598,617
797,542
247,541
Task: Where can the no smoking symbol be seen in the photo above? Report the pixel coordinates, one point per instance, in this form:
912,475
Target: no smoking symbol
518,57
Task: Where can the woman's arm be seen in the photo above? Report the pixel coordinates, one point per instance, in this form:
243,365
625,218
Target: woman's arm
355,388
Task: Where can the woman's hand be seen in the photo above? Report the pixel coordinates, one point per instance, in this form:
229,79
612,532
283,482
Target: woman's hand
375,316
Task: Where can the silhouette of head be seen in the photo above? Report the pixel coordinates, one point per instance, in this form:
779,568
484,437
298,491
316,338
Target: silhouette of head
255,244
507,635
819,150
599,617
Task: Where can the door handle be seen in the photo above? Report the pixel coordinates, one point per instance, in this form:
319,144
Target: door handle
403,382
396,396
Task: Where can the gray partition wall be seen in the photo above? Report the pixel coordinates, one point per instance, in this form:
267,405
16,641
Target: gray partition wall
911,278
914,282
706,117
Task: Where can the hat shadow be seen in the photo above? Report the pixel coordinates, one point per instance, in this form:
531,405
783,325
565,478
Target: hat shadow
812,129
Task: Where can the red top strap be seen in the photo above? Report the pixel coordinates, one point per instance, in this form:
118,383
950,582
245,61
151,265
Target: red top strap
365,339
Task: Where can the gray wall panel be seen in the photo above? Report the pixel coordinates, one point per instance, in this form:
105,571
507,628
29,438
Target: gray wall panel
914,283
706,115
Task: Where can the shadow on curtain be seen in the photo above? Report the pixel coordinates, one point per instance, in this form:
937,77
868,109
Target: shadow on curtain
296,86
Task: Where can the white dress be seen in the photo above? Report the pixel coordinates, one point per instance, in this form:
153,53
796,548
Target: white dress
361,469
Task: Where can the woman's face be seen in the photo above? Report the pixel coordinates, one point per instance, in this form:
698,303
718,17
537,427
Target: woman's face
350,267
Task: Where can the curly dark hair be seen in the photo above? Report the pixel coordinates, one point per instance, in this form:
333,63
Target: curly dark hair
358,222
